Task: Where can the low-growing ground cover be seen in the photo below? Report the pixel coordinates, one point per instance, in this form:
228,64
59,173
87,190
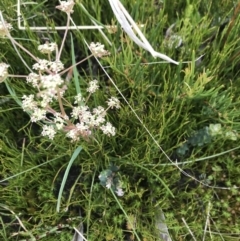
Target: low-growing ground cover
110,158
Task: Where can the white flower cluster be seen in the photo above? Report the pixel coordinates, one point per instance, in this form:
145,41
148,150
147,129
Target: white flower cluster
66,6
3,71
82,122
86,120
47,48
98,50
50,86
4,28
48,81
93,86
45,65
113,102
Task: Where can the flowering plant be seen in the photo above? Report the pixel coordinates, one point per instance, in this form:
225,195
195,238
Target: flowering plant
51,87
46,77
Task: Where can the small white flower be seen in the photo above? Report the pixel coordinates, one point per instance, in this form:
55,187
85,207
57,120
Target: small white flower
4,28
56,66
73,134
47,48
46,96
38,114
113,102
75,112
99,111
93,86
99,116
108,129
33,79
46,100
98,120
76,131
41,65
98,49
82,127
83,110
111,28
3,71
86,117
62,90
51,81
59,121
90,120
79,111
48,131
28,103
78,99
66,6
50,94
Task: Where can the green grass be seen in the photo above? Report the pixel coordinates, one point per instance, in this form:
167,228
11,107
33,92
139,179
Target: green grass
177,105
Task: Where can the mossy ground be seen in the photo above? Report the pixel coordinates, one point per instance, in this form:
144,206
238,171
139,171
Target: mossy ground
181,106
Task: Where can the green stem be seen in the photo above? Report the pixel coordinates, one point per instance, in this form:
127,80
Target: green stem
129,220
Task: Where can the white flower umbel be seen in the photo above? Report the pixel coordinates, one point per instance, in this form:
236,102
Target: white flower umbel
99,115
78,111
79,99
79,130
56,66
46,99
59,121
45,65
4,28
48,131
113,102
33,79
28,103
99,111
3,71
38,114
47,48
108,129
98,50
51,81
66,6
128,24
93,86
73,134
41,65
98,120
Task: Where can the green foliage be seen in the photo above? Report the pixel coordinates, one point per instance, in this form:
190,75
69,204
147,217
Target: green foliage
191,110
